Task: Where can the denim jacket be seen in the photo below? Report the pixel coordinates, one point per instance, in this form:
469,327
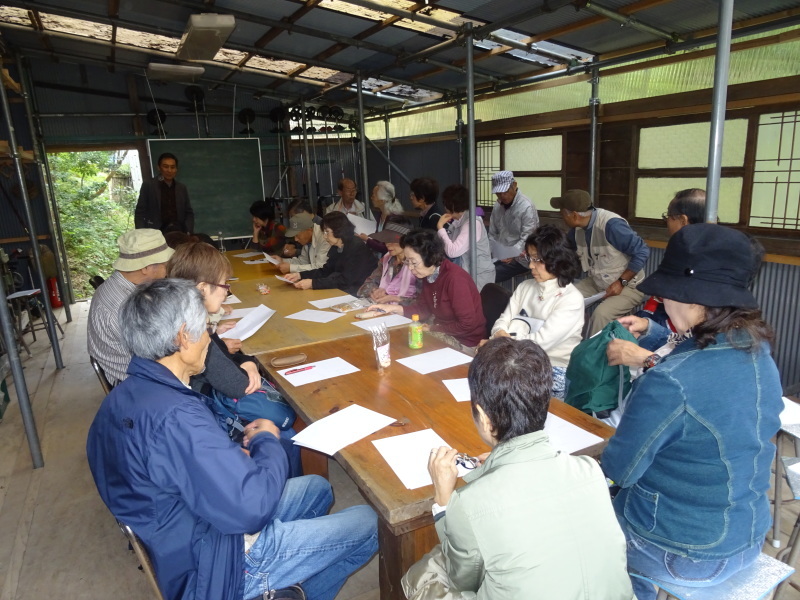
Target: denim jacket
692,453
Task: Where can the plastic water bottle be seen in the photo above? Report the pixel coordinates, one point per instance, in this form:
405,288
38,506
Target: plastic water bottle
415,333
221,242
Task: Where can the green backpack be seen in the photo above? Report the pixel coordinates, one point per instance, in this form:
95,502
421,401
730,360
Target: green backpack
594,385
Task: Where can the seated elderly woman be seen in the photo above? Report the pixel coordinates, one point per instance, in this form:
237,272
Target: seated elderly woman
449,304
231,380
547,309
531,521
693,450
349,260
217,522
456,237
392,281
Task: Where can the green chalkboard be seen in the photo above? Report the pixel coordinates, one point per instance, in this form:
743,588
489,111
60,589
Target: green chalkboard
223,177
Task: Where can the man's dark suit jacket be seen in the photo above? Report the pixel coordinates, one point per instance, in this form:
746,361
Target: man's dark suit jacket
148,209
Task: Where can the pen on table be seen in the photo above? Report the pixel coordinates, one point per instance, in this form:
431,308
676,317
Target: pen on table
293,371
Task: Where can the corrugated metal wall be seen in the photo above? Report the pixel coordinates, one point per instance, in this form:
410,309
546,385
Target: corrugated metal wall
777,290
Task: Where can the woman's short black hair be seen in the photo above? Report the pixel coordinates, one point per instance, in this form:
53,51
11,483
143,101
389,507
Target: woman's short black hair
261,209
690,202
455,198
553,248
425,188
339,224
427,244
511,381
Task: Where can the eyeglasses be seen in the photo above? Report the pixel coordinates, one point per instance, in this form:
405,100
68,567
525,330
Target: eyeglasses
468,462
533,259
666,217
413,265
224,286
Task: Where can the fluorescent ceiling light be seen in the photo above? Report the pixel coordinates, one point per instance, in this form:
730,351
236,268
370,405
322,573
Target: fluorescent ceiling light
205,34
181,73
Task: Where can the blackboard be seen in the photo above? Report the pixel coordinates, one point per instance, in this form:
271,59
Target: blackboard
223,177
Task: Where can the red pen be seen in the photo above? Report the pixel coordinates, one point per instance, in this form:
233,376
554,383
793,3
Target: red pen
293,371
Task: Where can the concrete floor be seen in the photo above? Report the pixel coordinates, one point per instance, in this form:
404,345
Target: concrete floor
57,539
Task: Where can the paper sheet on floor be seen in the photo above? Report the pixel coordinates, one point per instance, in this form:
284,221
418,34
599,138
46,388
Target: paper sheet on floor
791,412
388,320
342,428
408,456
362,225
428,362
249,324
328,302
232,299
315,316
322,369
247,254
459,388
567,437
592,299
239,313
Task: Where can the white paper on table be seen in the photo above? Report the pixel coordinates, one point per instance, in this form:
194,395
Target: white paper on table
247,254
328,302
795,468
362,225
258,261
322,369
249,324
459,388
284,279
501,251
388,320
790,415
269,259
567,437
342,428
232,299
239,313
315,316
408,456
592,299
436,360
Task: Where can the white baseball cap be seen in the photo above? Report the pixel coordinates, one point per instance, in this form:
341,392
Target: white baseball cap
501,181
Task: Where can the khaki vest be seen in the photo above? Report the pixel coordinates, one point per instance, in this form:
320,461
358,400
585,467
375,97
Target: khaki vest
602,261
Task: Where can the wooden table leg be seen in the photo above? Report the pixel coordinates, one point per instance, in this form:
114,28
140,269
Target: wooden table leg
398,553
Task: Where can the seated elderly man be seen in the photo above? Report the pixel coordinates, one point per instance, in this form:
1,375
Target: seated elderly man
217,522
143,256
531,521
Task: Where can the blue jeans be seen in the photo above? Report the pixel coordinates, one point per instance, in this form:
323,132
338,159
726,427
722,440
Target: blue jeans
303,544
646,558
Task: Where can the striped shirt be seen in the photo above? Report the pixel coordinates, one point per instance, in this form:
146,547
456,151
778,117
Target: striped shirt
104,338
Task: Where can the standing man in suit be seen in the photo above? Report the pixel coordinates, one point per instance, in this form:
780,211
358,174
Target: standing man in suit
164,201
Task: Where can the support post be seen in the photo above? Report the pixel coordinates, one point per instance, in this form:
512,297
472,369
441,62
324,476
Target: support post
472,176
26,203
594,107
389,162
363,147
460,139
18,375
307,155
718,104
388,145
48,194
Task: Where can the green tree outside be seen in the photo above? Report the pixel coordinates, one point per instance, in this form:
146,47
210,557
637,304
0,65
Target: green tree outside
96,207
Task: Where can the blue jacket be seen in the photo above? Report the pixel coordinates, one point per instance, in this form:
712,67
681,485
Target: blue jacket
692,453
164,467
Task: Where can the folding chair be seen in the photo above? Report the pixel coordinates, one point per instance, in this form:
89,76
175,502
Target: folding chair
144,560
101,375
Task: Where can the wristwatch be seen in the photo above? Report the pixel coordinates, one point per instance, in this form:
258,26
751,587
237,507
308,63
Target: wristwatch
651,361
624,282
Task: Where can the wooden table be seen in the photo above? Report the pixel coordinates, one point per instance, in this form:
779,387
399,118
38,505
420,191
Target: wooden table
417,402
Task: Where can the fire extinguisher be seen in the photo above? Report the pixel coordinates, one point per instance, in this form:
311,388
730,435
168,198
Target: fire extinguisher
55,297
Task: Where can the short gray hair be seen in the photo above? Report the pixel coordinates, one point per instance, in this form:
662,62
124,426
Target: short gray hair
386,193
151,317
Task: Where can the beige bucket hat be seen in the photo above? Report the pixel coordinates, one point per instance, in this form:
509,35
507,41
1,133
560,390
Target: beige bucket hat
140,248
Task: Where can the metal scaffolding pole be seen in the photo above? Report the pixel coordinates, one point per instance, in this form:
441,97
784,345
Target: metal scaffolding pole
460,140
26,203
48,194
307,155
472,176
20,385
363,147
388,145
718,104
594,107
389,162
